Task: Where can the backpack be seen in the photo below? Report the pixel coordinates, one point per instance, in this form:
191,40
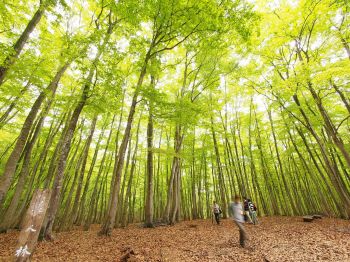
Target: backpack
252,207
216,209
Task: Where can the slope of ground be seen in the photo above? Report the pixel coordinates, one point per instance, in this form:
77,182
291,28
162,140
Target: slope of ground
274,239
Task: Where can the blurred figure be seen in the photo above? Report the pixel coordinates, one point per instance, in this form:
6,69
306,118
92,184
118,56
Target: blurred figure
236,211
217,212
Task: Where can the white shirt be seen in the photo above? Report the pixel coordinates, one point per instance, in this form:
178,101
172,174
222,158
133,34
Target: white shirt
216,208
237,212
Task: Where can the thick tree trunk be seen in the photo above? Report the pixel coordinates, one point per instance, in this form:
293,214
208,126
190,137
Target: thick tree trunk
71,210
65,148
121,206
9,220
11,164
173,175
66,144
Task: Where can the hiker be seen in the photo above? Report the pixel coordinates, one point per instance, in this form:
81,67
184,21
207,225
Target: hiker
252,211
217,211
246,213
236,211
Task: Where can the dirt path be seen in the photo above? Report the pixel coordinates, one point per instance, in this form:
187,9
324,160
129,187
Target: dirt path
274,239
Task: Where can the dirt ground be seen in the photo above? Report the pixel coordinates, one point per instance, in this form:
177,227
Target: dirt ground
274,239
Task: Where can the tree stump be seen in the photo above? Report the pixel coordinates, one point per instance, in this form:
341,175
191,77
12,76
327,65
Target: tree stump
317,216
308,218
32,223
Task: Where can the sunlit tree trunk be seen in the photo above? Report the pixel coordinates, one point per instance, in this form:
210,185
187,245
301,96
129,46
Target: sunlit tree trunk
11,164
22,40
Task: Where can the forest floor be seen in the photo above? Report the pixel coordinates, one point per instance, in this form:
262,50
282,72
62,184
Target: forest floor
274,239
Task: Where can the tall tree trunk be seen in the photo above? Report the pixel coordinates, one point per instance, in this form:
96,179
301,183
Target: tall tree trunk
343,193
5,116
72,212
149,193
330,128
281,170
342,96
11,164
23,176
173,175
109,222
80,213
126,205
219,172
18,46
65,148
94,199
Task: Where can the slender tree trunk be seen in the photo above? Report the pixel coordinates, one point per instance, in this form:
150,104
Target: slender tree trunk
6,115
66,144
281,170
149,194
109,222
342,96
126,205
121,206
330,128
71,212
94,199
18,46
344,194
219,172
80,213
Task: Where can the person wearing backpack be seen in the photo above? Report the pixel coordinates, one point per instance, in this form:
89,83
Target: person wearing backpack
246,213
236,211
217,211
252,211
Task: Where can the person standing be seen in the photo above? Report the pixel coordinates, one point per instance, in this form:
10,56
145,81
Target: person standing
236,211
252,212
216,211
246,210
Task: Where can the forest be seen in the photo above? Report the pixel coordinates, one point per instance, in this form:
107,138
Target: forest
146,111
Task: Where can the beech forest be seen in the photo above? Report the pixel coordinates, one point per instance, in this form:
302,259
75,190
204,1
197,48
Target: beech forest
127,118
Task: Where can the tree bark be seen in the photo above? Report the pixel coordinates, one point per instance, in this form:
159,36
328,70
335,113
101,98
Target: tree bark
149,192
11,164
66,144
18,46
109,222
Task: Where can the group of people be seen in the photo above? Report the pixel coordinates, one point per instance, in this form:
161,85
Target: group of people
240,214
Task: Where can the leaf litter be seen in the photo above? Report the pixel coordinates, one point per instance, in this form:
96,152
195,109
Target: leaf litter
275,239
